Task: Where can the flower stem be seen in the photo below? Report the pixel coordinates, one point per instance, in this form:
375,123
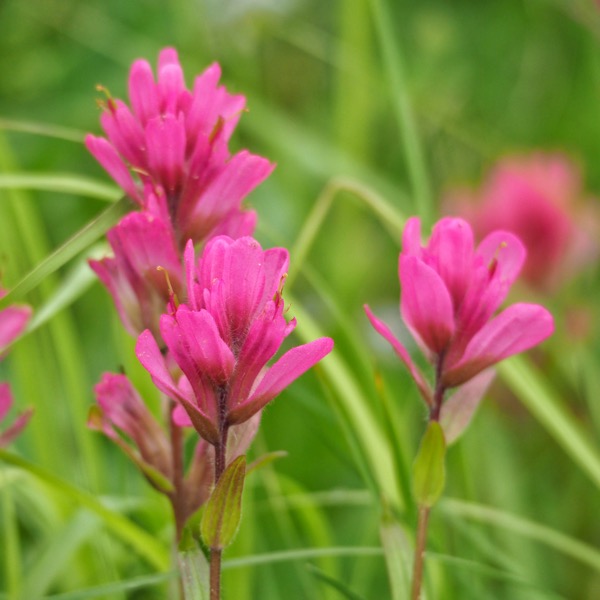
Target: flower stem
423,522
215,553
178,495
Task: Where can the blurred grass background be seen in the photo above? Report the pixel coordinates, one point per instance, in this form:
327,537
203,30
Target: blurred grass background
481,79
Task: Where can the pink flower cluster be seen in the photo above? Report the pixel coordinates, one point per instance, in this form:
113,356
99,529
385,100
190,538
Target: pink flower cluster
207,329
223,338
174,141
536,197
13,321
451,291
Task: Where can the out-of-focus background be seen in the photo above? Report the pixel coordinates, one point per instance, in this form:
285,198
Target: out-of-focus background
401,106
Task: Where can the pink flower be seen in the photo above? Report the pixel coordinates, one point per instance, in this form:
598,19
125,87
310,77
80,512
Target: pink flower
6,401
141,244
175,142
122,412
13,321
222,339
450,292
537,198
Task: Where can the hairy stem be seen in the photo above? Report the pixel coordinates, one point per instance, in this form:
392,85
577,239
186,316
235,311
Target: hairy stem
178,496
220,464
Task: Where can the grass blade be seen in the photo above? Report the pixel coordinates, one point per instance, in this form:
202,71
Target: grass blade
77,243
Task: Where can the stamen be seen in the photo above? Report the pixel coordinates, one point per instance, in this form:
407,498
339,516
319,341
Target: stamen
173,299
494,262
110,104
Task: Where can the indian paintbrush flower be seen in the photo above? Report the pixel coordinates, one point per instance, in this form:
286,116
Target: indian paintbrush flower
222,339
451,291
174,141
539,198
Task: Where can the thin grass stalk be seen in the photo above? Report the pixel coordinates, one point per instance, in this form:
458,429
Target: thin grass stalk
401,104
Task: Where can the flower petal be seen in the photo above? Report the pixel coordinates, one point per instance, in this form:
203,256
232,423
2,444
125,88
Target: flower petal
196,345
109,158
451,247
6,400
142,91
289,367
13,321
153,361
517,328
426,305
382,329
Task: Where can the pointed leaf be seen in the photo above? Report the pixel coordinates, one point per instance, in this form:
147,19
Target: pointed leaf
224,509
428,470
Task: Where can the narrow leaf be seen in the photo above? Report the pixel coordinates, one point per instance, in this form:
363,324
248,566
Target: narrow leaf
397,555
223,511
78,242
194,572
428,470
63,183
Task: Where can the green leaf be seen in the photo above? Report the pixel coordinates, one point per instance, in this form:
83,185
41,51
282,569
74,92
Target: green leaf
64,183
397,553
78,242
534,391
223,511
428,470
194,571
265,459
334,583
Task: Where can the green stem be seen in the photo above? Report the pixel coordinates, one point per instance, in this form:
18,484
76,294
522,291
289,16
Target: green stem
423,522
220,464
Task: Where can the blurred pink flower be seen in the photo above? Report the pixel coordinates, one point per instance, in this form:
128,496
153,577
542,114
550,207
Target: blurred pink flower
536,197
175,143
13,321
121,411
141,243
6,401
223,338
450,292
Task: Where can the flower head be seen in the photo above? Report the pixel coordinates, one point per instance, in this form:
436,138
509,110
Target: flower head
451,291
537,198
169,150
222,339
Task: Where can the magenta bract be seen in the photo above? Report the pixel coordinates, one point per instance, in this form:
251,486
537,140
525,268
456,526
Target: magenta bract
141,243
450,293
169,150
232,325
